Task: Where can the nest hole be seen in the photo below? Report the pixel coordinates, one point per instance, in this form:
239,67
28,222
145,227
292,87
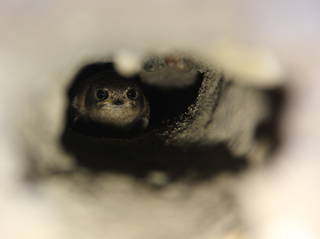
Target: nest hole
145,153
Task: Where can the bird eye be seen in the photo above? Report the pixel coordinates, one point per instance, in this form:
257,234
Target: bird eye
132,94
102,94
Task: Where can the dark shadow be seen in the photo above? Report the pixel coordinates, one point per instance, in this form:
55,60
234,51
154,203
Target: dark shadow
269,130
169,104
138,157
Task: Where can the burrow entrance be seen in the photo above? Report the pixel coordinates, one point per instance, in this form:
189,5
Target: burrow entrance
173,109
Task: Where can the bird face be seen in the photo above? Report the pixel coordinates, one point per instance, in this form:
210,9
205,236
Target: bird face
114,101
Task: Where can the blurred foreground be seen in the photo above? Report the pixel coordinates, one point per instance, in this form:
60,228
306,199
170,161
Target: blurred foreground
257,44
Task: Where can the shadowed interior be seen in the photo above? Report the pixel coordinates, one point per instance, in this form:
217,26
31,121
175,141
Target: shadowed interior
140,155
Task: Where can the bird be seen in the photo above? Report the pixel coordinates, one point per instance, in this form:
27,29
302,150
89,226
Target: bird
109,104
